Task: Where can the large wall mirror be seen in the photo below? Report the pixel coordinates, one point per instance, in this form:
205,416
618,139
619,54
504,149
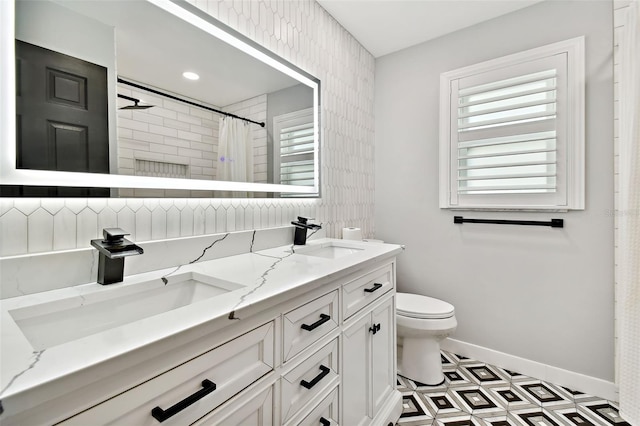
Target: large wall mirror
95,102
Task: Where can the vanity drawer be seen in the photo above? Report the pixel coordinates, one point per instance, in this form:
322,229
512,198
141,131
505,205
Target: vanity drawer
365,289
309,322
325,413
248,408
192,389
312,377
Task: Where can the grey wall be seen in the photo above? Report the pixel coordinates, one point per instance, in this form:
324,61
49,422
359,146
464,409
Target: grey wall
538,293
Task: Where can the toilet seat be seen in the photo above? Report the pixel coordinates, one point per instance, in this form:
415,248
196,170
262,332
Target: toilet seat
422,307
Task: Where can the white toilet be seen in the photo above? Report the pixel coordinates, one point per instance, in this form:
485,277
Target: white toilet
422,322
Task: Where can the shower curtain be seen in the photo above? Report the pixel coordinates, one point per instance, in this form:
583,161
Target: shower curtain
628,291
235,151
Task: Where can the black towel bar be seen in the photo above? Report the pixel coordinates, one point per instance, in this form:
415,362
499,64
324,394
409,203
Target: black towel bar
554,223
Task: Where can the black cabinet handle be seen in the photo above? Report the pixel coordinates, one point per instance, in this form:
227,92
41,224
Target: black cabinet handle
374,328
323,372
325,422
323,318
374,288
161,415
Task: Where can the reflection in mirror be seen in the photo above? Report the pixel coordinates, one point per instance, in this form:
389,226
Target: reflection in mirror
237,118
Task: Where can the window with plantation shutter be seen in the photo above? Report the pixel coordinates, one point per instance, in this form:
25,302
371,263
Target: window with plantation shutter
294,149
511,133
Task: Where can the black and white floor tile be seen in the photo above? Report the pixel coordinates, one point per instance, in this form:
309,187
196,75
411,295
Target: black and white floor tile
479,394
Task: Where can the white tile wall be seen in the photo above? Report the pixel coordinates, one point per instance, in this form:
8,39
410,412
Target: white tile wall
306,35
170,133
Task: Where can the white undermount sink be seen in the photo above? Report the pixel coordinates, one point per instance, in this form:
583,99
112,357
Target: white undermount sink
330,250
52,323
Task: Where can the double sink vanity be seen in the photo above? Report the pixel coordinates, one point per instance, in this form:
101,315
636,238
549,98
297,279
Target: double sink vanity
279,335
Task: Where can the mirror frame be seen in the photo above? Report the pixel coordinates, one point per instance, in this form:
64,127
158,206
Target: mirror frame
181,9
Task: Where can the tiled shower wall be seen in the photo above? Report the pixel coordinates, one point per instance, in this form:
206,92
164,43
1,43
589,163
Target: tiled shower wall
306,35
169,133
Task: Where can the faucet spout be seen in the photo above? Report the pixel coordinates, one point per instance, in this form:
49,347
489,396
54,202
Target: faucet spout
111,253
300,236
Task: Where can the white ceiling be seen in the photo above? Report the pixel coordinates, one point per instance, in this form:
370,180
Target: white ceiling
386,26
155,48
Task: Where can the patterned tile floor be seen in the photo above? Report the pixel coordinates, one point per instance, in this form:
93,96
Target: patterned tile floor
479,394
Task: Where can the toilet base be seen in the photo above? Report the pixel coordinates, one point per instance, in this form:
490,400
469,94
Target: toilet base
421,360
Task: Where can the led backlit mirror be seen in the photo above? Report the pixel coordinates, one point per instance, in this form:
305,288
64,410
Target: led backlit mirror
162,134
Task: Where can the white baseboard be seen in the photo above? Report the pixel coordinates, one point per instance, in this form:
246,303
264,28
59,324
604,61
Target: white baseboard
570,379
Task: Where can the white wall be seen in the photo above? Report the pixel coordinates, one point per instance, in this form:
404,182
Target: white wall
541,294
306,35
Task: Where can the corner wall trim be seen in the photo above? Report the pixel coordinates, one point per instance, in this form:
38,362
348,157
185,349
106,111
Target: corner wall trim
571,379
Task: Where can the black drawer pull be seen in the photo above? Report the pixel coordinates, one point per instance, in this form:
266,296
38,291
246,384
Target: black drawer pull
374,288
375,328
325,422
323,372
323,318
161,415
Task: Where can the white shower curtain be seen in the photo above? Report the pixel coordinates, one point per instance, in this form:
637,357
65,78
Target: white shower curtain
628,291
235,151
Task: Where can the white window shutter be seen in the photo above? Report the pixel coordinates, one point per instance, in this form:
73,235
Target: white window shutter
294,149
511,132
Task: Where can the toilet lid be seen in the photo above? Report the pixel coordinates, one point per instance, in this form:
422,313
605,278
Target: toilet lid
418,306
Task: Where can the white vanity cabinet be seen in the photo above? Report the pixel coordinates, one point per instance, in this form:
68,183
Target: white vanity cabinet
189,391
322,354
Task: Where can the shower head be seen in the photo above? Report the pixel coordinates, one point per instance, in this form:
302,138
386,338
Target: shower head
135,101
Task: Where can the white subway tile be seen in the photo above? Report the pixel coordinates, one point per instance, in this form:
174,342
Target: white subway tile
27,205
158,224
163,149
175,106
126,123
127,221
164,113
86,227
182,134
40,235
162,130
173,223
13,240
192,153
64,230
177,125
189,119
186,222
146,137
202,113
145,117
143,225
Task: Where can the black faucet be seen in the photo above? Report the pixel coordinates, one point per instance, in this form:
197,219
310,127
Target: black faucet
112,251
300,237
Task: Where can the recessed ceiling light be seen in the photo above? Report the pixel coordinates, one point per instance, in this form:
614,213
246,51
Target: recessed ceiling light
190,75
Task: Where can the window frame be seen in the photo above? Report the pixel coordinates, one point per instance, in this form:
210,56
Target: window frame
570,169
282,121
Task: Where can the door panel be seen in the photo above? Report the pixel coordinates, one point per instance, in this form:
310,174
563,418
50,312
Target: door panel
356,373
62,116
59,91
383,354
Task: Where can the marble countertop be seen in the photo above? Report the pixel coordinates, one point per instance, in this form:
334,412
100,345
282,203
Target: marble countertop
261,276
